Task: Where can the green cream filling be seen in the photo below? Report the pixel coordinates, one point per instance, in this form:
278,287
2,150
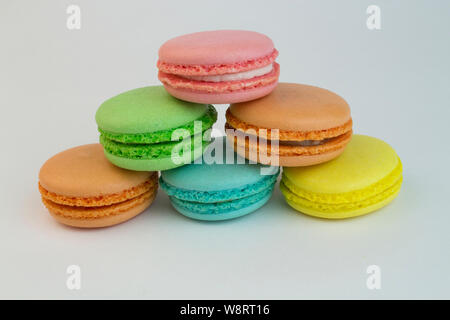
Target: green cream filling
208,119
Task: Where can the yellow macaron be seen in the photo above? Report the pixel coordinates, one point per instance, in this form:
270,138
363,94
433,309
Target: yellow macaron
365,177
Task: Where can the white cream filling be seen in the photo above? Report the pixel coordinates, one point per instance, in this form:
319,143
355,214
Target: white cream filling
234,76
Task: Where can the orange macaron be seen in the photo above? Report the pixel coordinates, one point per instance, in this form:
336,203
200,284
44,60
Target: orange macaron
81,188
295,125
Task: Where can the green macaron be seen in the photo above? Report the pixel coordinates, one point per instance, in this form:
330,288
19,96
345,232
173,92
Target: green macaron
147,129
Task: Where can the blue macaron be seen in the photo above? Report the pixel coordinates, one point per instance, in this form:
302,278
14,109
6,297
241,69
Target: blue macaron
221,186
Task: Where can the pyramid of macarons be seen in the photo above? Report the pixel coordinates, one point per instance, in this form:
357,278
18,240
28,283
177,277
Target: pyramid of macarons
303,131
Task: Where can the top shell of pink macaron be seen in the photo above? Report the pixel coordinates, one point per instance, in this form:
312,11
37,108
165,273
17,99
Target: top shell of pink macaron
216,52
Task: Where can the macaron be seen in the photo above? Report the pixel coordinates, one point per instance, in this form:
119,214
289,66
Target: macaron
147,129
81,188
295,125
222,66
366,177
223,186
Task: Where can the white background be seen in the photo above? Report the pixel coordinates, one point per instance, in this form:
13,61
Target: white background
396,81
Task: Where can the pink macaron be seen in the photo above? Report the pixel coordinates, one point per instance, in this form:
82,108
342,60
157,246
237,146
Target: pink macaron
223,66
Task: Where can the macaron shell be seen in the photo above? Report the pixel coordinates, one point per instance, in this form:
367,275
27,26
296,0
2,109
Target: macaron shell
344,214
215,172
292,160
284,135
145,110
217,69
154,150
223,86
106,221
194,127
216,47
210,194
103,200
157,164
244,210
93,173
221,98
298,161
303,161
294,107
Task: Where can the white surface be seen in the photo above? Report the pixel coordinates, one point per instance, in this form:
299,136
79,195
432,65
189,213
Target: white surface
396,81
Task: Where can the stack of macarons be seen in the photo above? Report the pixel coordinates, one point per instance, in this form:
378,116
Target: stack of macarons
165,131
